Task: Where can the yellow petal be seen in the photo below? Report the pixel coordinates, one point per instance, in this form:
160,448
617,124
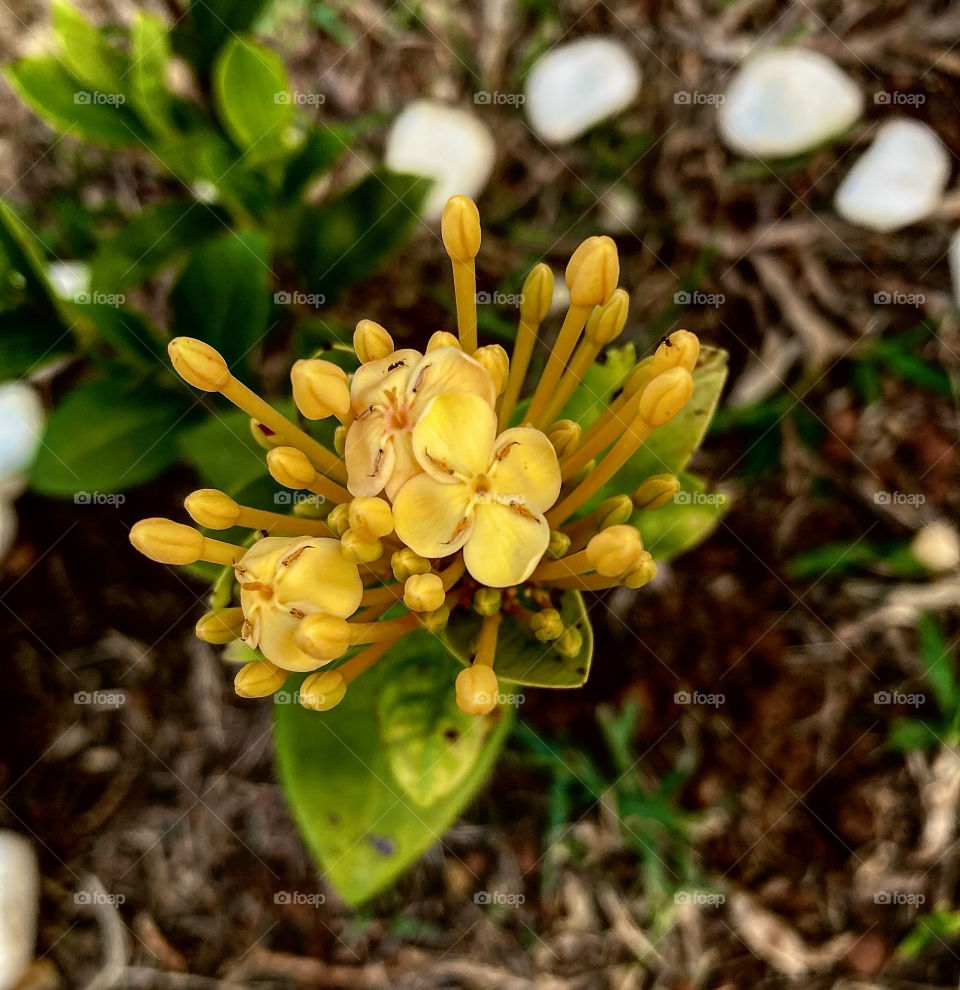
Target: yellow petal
506,544
317,576
373,380
525,465
404,465
454,437
448,369
369,455
277,643
431,517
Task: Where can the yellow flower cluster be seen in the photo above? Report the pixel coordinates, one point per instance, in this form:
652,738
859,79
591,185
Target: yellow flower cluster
435,500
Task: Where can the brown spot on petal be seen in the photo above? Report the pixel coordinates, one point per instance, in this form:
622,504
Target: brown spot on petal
419,382
505,449
521,510
438,462
297,613
458,529
395,365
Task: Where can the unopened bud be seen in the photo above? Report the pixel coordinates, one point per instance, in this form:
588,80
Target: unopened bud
325,637
258,679
199,364
580,476
212,509
166,541
565,436
537,294
570,643
291,467
338,519
220,626
547,625
460,228
362,547
370,517
593,271
371,341
264,436
477,688
487,601
436,621
423,592
637,379
606,322
340,439
323,690
443,338
665,395
614,511
405,563
644,572
656,491
494,358
680,350
559,544
615,550
319,388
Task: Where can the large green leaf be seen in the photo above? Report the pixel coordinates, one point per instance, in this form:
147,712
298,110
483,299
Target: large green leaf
149,55
129,336
30,340
362,824
223,295
106,436
50,91
86,53
681,524
600,383
209,23
521,658
26,255
224,453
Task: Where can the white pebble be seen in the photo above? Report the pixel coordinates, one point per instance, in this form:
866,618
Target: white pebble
21,428
451,146
69,278
937,546
787,101
19,905
898,180
575,86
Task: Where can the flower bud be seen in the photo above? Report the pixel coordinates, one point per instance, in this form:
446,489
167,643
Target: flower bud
325,637
371,341
220,626
319,388
559,544
547,625
537,294
460,228
264,436
680,350
639,376
565,436
580,476
423,592
362,547
315,507
258,679
212,509
487,601
570,643
606,322
477,688
656,491
199,364
614,511
291,467
642,573
340,439
615,550
370,517
166,541
436,621
443,338
665,395
593,271
323,690
494,358
338,519
405,563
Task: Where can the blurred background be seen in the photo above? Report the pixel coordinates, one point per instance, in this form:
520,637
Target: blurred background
759,784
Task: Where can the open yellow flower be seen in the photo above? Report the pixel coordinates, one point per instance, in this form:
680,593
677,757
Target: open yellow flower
389,396
479,491
283,579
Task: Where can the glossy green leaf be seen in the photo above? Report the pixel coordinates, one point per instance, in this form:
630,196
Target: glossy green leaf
85,51
601,382
26,255
50,91
224,452
129,336
108,435
521,658
683,523
360,822
149,55
209,23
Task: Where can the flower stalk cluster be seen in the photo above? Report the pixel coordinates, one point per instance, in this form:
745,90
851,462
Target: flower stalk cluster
443,489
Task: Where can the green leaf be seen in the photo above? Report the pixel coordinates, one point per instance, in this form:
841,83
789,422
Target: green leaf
223,295
683,523
938,663
50,91
318,153
130,336
209,23
29,341
521,658
907,734
86,53
106,436
26,255
224,453
600,383
251,92
359,821
346,240
149,55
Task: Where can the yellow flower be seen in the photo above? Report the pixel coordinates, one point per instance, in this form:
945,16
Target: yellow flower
283,579
480,492
389,396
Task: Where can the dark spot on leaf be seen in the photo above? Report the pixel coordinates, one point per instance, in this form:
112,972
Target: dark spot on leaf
383,845
451,734
581,671
333,818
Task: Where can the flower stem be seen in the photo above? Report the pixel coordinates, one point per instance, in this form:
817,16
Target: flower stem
569,566
519,362
465,290
278,523
364,660
585,354
487,643
573,324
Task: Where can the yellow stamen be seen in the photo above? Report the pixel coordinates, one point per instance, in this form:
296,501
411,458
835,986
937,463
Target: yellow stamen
537,294
216,510
487,641
460,229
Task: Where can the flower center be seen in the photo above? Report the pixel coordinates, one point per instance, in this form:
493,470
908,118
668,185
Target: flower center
397,417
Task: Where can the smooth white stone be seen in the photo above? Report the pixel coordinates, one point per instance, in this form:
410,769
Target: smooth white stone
21,428
69,278
619,210
449,145
898,180
937,546
787,101
19,905
576,85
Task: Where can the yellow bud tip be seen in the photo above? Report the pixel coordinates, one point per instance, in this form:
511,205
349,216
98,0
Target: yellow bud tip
405,563
665,396
570,643
436,621
614,511
606,322
644,572
460,228
371,341
212,509
593,271
363,548
547,625
220,626
477,689
423,592
258,679
319,389
370,517
537,294
656,492
199,364
559,544
680,350
166,541
291,467
443,338
565,435
494,358
322,691
487,601
264,436
340,439
324,637
615,550
338,519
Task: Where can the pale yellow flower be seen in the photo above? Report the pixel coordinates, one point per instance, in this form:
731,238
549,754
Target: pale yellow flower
389,396
283,579
479,491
